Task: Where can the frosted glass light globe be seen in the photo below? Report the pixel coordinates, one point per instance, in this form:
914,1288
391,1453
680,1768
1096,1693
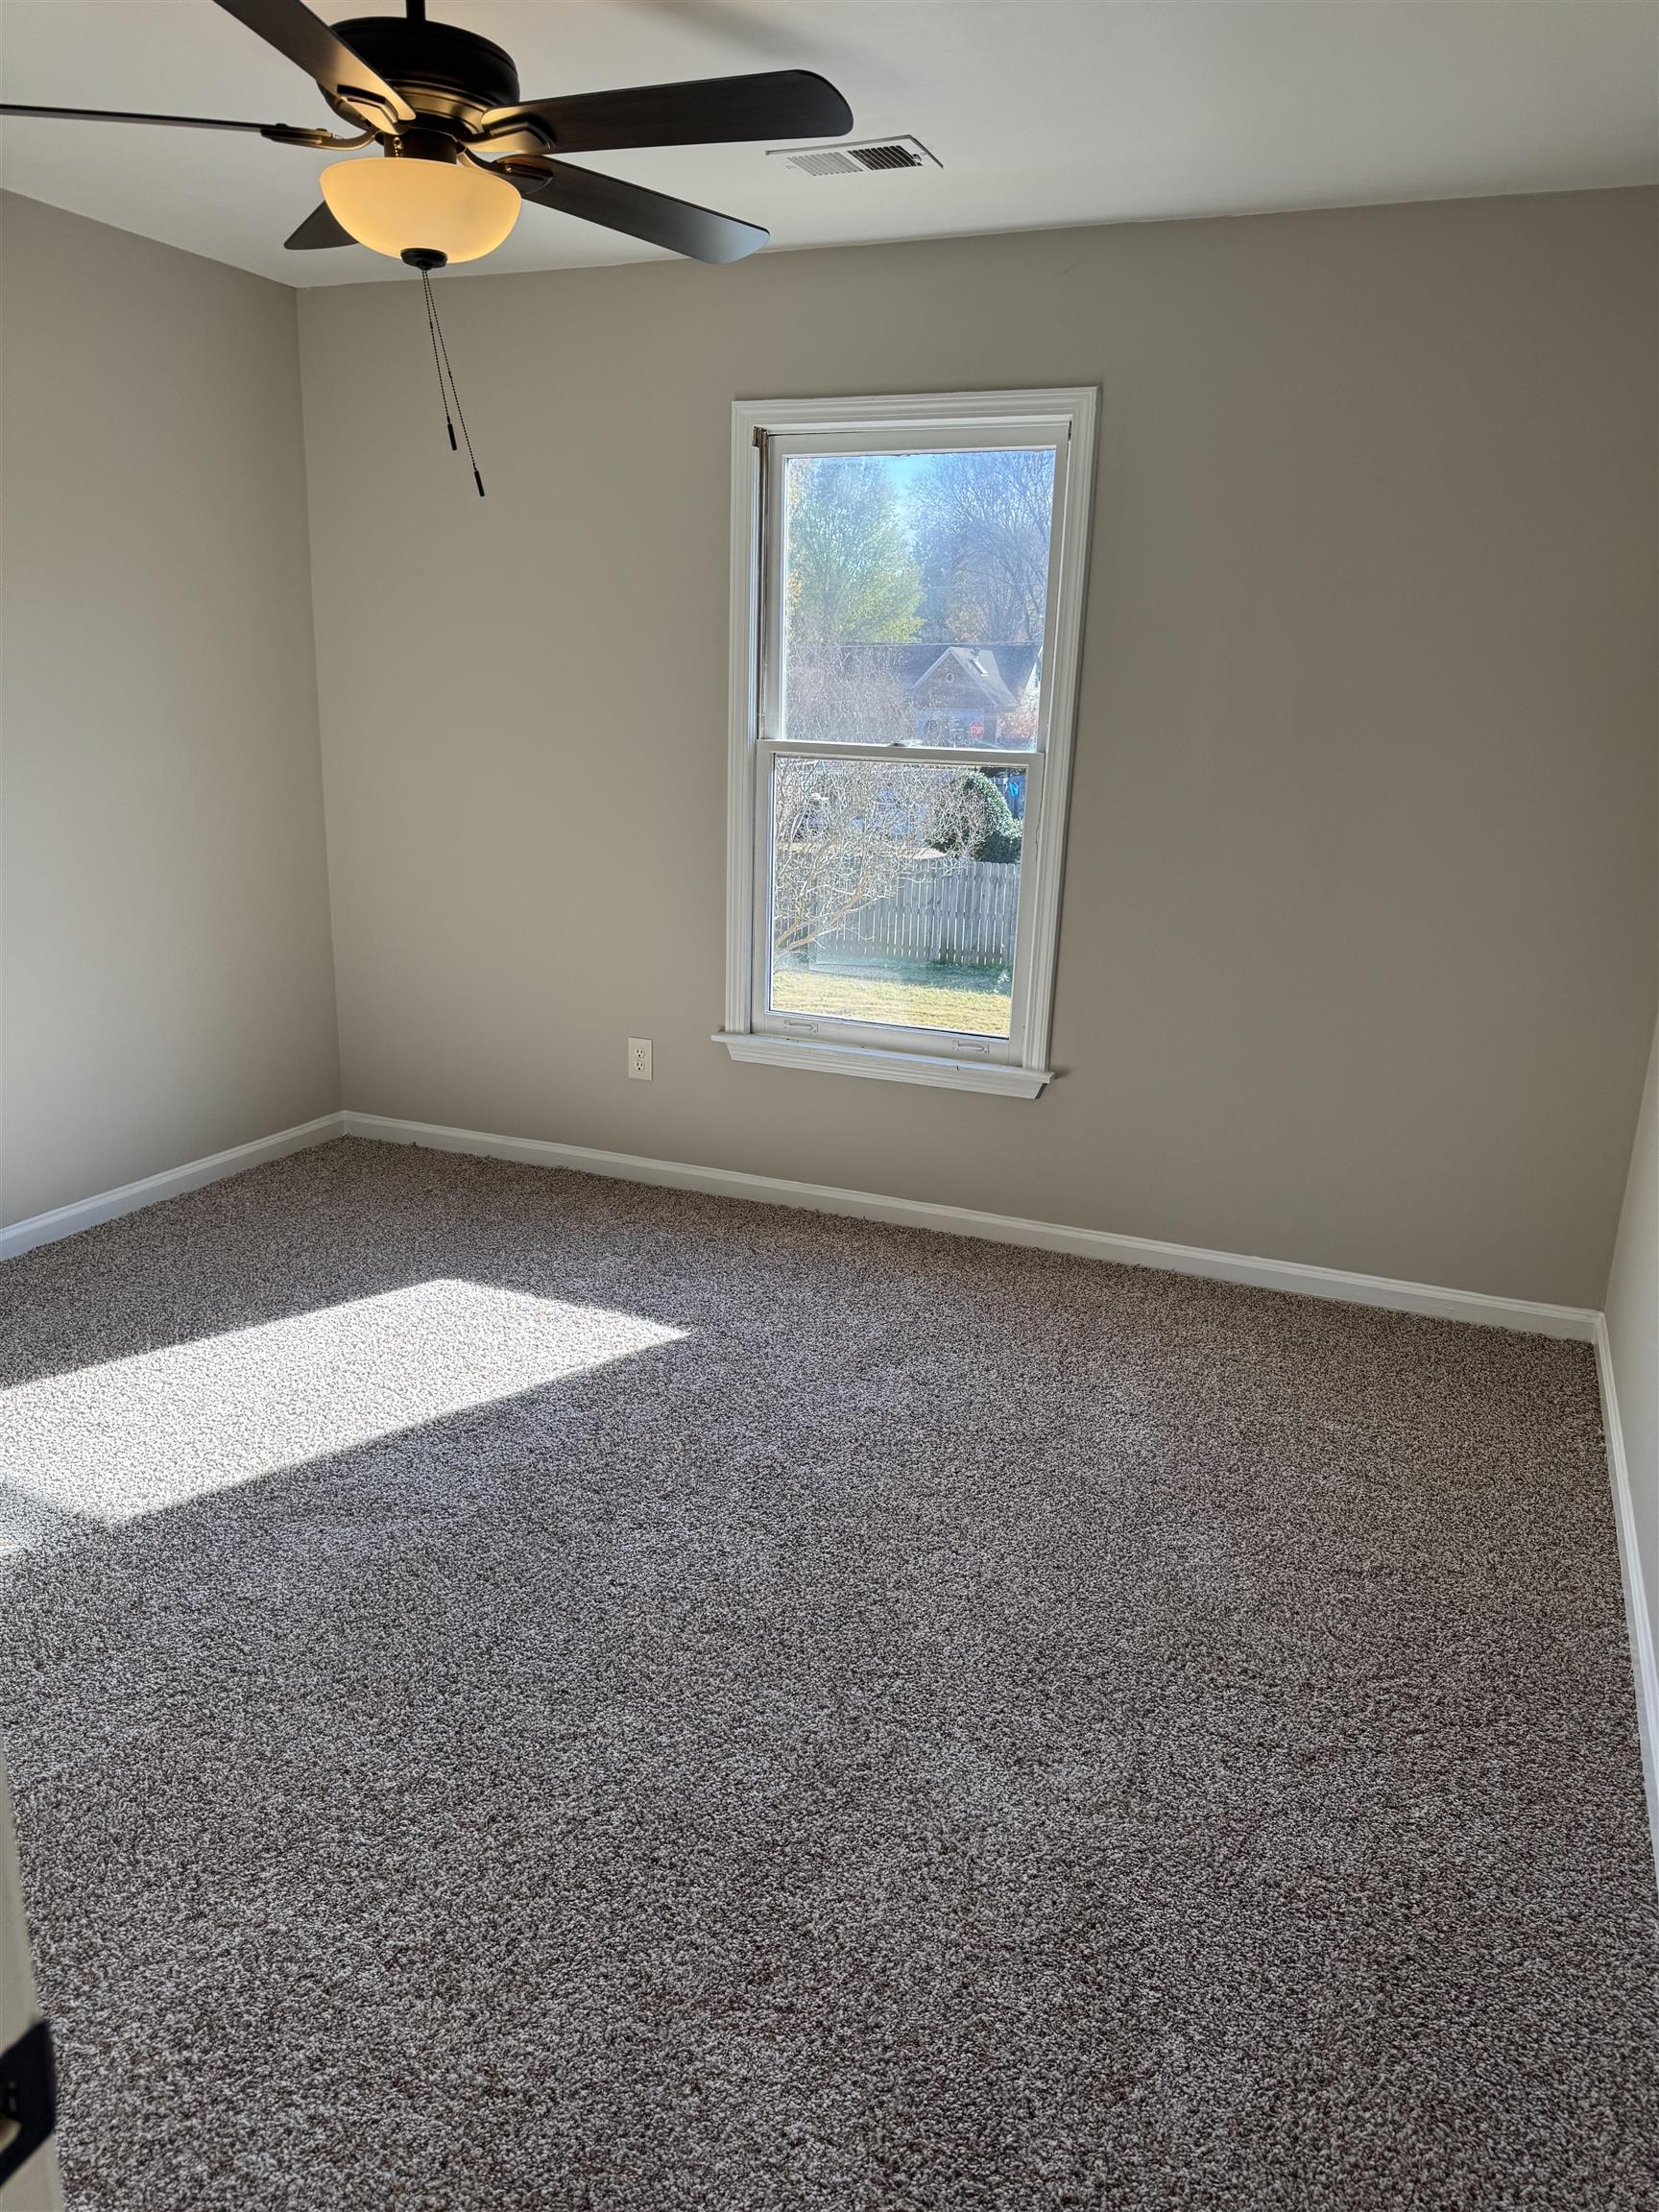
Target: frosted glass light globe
401,205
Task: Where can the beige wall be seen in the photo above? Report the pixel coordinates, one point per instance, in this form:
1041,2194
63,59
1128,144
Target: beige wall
1357,955
1358,961
166,988
1633,1333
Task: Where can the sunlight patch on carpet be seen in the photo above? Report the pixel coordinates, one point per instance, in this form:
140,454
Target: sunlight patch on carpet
138,1434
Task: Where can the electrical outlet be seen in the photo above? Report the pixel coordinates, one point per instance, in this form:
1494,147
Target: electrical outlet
640,1059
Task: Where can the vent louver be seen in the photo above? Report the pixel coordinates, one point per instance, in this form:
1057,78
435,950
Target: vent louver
874,153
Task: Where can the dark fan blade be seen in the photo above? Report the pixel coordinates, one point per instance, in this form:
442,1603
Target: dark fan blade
290,26
319,229
708,111
677,223
292,133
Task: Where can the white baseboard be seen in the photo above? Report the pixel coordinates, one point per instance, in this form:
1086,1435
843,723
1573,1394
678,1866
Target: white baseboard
1526,1314
1639,1622
1523,1313
87,1213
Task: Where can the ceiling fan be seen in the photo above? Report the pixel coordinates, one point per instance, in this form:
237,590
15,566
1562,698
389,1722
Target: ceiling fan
459,152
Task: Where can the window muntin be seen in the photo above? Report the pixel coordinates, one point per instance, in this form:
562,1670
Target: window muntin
898,773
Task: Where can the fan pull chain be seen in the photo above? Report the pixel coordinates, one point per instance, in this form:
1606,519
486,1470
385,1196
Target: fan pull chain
432,333
440,358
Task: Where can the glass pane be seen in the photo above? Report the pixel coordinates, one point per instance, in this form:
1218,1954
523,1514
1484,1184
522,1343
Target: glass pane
914,590
895,893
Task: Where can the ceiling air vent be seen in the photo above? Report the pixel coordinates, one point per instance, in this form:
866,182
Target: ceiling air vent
849,160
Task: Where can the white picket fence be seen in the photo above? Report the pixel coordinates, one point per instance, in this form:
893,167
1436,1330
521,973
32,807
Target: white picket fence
962,912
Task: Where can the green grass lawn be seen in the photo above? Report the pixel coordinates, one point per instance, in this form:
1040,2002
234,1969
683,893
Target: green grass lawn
910,999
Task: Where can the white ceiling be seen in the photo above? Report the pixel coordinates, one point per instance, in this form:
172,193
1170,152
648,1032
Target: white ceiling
1042,112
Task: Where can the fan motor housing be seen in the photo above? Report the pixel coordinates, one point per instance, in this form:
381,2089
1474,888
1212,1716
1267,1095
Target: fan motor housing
441,71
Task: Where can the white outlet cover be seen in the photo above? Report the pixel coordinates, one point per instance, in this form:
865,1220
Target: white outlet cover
640,1059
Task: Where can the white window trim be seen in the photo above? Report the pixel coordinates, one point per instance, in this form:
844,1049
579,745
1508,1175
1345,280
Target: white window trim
1021,1070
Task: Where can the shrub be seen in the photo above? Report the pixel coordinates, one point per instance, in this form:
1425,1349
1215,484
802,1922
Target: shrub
980,821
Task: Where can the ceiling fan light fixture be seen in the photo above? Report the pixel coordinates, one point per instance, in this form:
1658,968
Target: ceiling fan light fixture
405,206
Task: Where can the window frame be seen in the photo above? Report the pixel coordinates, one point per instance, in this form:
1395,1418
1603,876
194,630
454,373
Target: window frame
765,434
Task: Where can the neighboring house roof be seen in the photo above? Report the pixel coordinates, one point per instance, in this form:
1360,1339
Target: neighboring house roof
1002,672
978,667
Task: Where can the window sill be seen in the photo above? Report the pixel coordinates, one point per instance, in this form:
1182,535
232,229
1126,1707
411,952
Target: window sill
885,1065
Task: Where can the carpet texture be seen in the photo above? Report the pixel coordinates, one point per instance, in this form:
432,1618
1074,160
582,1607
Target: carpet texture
528,1692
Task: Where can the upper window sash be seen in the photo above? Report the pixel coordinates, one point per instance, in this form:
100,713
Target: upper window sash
776,448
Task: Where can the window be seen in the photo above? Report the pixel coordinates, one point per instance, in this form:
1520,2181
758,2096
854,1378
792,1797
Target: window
908,594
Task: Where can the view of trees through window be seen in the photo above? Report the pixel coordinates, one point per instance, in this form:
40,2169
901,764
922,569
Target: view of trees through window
914,588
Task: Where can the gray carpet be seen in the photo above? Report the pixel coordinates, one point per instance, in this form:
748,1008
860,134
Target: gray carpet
527,1692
